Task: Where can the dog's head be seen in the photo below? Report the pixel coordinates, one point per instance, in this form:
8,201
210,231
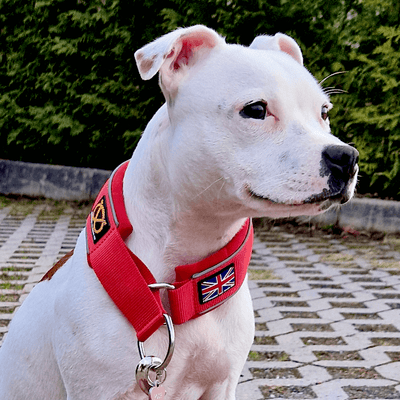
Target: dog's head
250,124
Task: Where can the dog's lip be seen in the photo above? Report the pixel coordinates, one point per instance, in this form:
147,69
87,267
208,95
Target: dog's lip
330,197
254,195
324,197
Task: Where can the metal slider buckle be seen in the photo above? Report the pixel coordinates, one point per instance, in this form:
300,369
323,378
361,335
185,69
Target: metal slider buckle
161,285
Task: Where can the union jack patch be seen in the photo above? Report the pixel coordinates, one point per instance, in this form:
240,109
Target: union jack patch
215,285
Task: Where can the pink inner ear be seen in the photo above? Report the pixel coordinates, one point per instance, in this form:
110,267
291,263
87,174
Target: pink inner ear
287,47
184,55
190,45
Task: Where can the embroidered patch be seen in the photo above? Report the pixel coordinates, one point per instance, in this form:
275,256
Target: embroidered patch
215,285
99,220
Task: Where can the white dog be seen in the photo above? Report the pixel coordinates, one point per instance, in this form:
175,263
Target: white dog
244,133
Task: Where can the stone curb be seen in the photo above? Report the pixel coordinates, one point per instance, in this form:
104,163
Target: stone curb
71,183
51,181
372,215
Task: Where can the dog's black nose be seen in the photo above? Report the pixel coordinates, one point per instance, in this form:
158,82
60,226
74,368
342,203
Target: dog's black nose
340,164
340,161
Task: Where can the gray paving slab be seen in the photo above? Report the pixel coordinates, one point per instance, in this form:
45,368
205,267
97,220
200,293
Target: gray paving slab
327,307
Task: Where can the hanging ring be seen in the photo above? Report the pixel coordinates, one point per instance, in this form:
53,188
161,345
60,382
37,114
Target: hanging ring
143,369
171,345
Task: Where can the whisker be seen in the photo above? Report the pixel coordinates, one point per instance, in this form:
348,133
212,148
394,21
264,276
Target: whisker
208,187
220,189
329,76
325,89
335,91
278,181
332,89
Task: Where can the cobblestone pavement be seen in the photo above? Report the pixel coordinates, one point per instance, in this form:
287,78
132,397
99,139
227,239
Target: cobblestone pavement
327,306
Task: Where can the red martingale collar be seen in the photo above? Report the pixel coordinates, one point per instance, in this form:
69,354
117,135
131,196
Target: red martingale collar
199,287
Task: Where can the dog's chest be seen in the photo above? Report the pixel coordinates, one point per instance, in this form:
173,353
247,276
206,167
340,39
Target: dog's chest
202,363
190,374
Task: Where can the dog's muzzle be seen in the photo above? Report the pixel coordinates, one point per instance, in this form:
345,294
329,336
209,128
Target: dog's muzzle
339,163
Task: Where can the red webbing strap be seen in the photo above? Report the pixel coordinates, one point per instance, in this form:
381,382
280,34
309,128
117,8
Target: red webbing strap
188,300
199,287
116,266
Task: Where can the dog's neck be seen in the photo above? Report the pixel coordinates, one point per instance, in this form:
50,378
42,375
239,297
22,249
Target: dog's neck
170,227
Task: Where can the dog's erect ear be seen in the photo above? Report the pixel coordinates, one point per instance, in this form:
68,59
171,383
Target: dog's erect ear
174,53
279,42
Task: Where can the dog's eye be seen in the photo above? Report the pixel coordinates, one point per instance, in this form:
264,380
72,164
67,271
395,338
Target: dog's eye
256,110
324,112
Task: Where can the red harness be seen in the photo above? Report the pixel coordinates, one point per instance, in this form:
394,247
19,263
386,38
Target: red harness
199,287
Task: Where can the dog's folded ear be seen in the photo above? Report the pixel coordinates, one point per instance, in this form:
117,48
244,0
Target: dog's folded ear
173,54
279,42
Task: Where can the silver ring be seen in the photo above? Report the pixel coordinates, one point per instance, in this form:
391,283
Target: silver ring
171,345
143,369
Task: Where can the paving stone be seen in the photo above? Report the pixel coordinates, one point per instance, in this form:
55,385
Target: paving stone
327,321
248,391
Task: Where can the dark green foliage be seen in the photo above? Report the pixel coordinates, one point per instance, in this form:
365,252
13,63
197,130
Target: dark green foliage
373,120
70,92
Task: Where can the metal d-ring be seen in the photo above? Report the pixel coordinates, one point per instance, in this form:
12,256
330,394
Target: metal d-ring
171,344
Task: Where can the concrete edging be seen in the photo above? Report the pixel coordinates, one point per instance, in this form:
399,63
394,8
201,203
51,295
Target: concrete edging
364,214
51,181
71,183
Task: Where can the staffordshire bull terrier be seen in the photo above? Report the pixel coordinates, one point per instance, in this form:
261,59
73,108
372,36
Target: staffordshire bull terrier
244,133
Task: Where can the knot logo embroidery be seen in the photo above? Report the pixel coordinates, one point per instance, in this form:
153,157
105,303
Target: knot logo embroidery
99,220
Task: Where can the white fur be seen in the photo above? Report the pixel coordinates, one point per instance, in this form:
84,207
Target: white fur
187,194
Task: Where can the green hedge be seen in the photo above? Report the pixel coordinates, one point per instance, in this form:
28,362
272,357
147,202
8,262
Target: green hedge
70,92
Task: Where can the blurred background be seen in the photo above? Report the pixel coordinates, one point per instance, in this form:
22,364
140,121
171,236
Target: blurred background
70,93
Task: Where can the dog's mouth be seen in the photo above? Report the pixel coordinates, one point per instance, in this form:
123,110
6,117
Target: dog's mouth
325,199
257,196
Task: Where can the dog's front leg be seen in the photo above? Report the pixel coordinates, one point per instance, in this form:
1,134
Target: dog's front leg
226,391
